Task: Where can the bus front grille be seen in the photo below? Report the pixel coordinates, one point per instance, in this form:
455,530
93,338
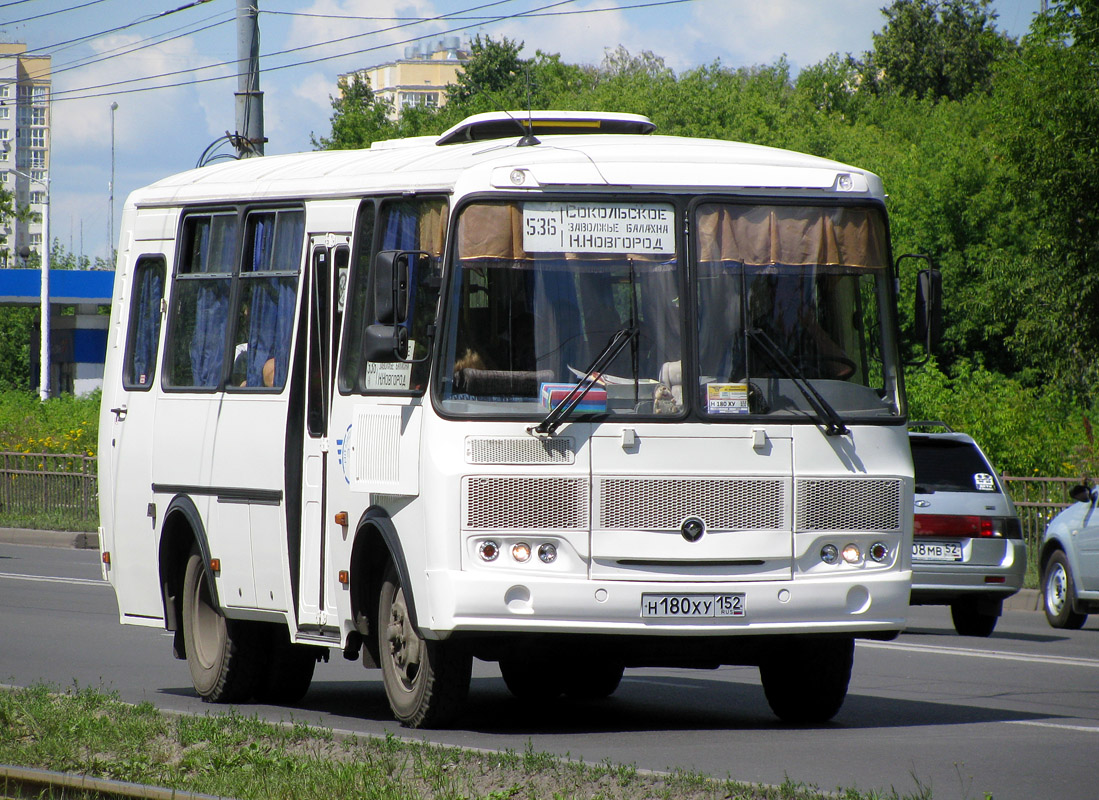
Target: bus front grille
526,503
848,504
661,504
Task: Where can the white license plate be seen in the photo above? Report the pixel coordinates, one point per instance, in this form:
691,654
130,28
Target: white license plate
936,551
692,606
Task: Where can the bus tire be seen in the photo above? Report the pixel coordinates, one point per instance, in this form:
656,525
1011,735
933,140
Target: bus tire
593,681
426,682
533,680
806,680
222,654
289,670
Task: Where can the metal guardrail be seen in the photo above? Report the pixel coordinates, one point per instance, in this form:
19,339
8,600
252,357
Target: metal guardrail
18,783
53,485
1038,500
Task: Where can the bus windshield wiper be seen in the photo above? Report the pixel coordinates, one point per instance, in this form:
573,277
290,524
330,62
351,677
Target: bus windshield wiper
562,411
834,422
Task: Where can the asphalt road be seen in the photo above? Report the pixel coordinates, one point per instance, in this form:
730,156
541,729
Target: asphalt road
1015,715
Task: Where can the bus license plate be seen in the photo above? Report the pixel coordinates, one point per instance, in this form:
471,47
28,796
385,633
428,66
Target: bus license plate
692,606
937,551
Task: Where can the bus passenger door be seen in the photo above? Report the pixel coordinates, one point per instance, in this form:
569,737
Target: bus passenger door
329,255
130,532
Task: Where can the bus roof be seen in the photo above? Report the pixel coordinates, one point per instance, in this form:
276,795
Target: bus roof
579,161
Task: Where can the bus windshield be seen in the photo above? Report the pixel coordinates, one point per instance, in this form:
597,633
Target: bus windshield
781,302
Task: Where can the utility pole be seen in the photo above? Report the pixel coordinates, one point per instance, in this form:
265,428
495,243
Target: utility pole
249,99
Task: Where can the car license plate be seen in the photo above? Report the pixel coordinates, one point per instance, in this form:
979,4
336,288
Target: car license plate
692,606
936,551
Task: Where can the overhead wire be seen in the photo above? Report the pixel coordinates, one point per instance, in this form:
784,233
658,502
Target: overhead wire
54,12
78,94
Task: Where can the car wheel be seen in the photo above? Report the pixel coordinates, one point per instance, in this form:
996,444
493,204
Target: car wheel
806,680
426,682
1058,594
970,620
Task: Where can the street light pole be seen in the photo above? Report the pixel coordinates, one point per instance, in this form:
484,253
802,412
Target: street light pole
44,356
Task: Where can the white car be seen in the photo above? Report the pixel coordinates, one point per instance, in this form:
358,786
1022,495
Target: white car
968,550
1069,561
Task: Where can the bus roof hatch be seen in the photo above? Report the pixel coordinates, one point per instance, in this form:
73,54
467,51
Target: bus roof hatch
506,124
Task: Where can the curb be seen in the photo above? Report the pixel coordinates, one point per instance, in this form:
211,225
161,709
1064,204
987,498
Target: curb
1024,600
72,539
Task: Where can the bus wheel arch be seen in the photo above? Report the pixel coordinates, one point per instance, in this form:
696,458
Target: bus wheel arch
181,531
376,545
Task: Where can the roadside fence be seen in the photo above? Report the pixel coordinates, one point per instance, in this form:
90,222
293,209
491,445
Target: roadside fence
46,490
62,489
1038,500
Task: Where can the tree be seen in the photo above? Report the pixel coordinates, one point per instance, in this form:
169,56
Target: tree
493,72
937,50
359,118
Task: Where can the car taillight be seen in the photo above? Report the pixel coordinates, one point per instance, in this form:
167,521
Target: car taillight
963,526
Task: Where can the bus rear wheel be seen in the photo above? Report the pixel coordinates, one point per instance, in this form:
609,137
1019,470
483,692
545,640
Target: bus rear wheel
426,682
222,654
806,679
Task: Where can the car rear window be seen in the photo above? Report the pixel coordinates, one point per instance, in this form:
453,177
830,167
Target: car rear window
945,465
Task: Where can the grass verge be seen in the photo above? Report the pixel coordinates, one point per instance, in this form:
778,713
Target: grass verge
91,732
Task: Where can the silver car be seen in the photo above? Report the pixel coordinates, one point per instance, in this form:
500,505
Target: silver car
968,550
1069,561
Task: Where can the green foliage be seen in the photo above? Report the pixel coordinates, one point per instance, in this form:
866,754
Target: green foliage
1025,431
935,49
358,119
64,424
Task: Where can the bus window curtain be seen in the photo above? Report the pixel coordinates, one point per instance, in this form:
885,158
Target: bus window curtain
146,325
207,349
276,247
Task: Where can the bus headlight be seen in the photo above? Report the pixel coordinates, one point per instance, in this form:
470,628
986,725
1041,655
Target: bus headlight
829,554
879,552
488,550
852,554
520,551
547,553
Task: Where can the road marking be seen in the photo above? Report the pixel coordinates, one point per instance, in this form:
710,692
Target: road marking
1061,726
1003,655
53,579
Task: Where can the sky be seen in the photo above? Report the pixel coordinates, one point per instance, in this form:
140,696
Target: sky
169,65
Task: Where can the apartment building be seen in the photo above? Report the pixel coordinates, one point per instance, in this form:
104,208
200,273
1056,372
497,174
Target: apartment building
418,79
24,148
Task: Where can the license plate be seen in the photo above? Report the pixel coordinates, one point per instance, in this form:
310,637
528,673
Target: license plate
937,551
692,606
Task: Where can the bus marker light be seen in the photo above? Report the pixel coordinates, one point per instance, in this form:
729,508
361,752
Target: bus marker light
852,554
547,553
488,550
520,552
341,519
344,577
829,554
215,565
107,558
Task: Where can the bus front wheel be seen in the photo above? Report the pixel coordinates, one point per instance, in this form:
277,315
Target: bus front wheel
222,654
426,681
805,680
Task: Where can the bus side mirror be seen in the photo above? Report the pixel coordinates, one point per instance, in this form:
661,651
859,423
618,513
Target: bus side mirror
386,343
1081,494
929,308
391,286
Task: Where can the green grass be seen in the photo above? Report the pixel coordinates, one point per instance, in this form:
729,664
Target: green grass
91,732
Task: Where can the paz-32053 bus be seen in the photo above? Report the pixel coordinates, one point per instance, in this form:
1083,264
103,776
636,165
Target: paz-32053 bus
547,390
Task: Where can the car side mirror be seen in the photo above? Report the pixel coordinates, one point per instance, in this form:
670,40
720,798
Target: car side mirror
1081,494
386,343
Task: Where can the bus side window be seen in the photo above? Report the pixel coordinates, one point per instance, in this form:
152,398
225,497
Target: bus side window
405,225
143,336
355,299
264,317
195,349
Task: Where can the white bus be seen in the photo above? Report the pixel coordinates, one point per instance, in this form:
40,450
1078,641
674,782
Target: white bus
547,390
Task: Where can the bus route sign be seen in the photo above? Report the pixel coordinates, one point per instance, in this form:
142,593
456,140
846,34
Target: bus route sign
599,228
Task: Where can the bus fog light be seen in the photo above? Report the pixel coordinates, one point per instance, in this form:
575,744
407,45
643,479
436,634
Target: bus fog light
520,552
547,553
488,550
829,554
852,554
879,552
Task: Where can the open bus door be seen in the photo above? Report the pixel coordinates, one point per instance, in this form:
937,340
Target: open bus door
328,262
